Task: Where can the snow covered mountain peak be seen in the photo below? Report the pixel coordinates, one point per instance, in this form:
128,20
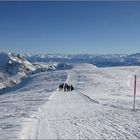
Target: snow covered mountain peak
11,62
13,68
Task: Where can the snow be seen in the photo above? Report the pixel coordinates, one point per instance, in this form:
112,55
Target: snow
18,106
97,59
13,68
100,107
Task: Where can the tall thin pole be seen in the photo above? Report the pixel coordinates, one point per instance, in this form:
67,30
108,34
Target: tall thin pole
134,92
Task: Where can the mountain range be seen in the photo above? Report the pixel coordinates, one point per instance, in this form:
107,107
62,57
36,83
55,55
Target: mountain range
98,60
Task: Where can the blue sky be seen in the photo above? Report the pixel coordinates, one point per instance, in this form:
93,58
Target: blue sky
70,27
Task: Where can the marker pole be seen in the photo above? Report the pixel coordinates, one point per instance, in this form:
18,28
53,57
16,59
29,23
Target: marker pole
135,80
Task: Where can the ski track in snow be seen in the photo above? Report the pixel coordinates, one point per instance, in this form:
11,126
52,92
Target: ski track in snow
100,107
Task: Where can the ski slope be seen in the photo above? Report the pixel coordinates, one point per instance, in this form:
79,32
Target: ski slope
20,105
100,107
92,111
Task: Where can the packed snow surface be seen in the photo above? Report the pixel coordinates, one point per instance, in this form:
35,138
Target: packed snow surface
19,105
100,107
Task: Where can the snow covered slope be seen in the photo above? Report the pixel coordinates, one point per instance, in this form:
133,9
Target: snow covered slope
21,104
99,108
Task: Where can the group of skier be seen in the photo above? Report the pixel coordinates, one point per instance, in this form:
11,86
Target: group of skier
66,87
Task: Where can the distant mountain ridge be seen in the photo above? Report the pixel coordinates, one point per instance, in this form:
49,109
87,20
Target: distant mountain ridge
98,60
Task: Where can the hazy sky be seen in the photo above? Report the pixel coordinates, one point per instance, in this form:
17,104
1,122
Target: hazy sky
70,27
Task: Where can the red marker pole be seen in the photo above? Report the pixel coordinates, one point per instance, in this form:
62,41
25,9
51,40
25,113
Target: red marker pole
134,92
